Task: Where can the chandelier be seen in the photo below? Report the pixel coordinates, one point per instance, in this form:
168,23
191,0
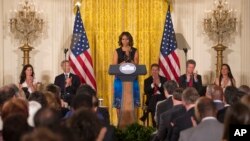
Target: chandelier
219,24
26,25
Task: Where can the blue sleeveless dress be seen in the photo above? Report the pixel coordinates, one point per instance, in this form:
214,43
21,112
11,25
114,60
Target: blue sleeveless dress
117,101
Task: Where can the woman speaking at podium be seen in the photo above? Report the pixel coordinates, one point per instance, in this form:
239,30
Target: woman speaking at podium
126,53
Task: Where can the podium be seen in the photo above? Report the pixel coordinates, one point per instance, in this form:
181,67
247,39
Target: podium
127,73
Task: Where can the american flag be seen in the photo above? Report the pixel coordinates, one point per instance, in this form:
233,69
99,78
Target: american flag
169,61
80,58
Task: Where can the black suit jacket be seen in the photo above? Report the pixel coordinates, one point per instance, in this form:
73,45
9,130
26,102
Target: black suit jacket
221,114
197,85
166,118
162,107
105,113
68,92
149,91
181,123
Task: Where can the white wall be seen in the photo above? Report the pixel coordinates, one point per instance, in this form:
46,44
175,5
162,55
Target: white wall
187,17
48,51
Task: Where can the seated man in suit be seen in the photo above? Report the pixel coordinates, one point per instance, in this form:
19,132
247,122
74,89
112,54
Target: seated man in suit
191,78
209,128
164,105
189,97
67,81
153,88
167,117
217,97
230,98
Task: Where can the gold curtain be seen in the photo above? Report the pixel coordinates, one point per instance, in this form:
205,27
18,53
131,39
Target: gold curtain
104,20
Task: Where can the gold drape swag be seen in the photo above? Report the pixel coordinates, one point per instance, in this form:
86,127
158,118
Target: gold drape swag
104,20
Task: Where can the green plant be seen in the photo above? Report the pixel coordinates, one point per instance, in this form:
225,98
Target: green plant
134,132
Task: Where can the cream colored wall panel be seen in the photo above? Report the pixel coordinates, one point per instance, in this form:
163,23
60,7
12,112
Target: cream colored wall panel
48,51
245,48
1,44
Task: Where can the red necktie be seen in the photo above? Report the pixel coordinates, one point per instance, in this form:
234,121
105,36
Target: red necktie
155,89
190,83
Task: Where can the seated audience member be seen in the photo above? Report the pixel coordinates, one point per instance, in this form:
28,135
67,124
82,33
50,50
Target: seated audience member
164,105
209,90
14,127
51,119
86,126
6,93
34,106
16,90
209,128
80,101
153,89
57,92
217,97
101,111
246,100
67,81
42,134
168,116
230,98
245,89
27,80
237,114
226,77
189,97
47,117
191,78
15,106
38,97
52,100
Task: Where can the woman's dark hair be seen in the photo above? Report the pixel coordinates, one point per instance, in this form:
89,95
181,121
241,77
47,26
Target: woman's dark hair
230,75
23,74
130,38
85,124
237,114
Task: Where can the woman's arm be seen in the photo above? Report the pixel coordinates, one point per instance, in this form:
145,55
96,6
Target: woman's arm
115,58
216,82
136,58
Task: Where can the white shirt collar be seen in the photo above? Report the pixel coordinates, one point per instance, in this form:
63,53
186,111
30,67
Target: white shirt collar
217,101
208,118
67,73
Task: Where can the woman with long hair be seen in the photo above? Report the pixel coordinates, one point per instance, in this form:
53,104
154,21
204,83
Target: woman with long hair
226,77
27,81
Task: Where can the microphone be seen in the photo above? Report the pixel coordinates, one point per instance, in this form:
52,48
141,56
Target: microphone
66,50
185,50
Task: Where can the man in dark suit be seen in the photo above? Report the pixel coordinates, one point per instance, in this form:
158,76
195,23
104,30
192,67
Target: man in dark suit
230,97
153,88
191,78
164,105
67,81
217,97
167,117
189,97
209,128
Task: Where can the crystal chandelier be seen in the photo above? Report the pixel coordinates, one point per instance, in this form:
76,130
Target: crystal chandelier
26,25
219,24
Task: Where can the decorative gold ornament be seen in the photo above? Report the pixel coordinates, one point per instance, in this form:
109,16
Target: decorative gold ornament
219,24
26,25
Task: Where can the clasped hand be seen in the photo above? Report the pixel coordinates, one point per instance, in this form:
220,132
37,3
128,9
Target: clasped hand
68,82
